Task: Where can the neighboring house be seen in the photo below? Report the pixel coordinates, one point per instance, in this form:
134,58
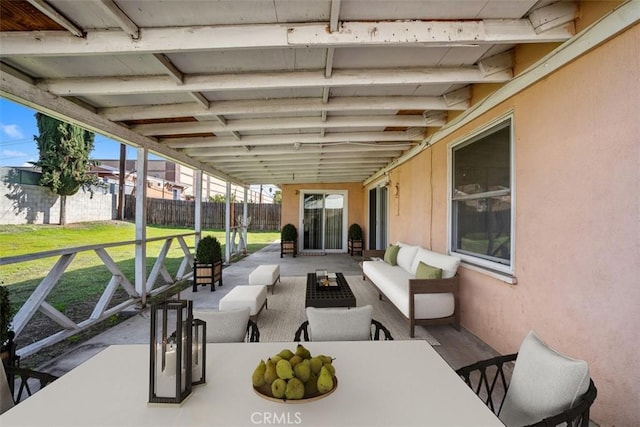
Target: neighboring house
174,181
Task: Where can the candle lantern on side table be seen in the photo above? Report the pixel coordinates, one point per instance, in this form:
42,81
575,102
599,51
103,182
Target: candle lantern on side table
170,367
199,356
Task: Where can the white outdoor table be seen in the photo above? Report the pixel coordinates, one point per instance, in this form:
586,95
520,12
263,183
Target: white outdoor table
381,383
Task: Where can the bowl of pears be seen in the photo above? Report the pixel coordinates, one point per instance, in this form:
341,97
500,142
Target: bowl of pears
295,376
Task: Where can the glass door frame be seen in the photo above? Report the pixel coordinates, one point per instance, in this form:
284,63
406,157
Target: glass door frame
345,218
379,225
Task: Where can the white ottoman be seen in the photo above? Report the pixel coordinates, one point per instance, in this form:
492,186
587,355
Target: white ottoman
254,297
265,275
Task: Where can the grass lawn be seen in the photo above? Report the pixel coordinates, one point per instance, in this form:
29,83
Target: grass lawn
86,277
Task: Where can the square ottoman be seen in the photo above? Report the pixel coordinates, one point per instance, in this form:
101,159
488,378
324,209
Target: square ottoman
265,275
252,296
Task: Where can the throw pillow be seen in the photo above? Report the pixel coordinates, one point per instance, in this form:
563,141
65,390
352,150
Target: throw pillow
391,255
425,271
544,383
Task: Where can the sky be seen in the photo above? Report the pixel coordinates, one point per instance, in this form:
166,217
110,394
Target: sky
18,148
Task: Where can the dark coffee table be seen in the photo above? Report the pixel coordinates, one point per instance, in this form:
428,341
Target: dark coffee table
322,298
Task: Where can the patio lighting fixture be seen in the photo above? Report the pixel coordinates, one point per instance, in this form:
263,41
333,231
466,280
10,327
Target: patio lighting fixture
177,352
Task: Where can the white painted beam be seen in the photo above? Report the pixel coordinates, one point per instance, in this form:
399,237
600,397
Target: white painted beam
280,123
288,139
457,100
261,36
120,17
254,81
172,70
553,15
44,7
305,149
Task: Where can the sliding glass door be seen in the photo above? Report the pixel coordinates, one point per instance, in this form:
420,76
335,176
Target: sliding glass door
378,217
323,221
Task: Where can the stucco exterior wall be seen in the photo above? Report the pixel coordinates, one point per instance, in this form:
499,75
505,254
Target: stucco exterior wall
577,219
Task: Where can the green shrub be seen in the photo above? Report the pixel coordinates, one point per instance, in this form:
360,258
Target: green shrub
6,315
209,250
289,233
355,232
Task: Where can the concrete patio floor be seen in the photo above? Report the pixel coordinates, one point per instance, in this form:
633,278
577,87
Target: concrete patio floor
458,348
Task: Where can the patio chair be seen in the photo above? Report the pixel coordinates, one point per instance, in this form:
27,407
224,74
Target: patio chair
340,324
26,377
545,389
229,325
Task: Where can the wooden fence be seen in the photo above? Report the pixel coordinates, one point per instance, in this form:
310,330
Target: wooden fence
264,217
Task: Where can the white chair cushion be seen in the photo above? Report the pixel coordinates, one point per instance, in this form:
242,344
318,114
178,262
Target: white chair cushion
406,254
544,383
224,326
449,264
264,274
340,324
6,400
252,296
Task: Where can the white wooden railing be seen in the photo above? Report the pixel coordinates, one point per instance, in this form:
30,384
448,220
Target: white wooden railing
37,300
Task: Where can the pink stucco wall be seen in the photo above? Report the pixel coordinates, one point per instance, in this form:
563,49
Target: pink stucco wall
577,255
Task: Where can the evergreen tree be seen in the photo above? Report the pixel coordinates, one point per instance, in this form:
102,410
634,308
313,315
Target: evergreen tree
64,158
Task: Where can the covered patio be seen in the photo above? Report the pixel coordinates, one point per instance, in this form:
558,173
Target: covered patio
386,110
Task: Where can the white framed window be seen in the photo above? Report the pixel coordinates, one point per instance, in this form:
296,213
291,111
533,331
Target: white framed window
481,198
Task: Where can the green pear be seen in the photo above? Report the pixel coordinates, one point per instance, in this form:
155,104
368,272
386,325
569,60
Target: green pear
270,373
316,364
325,359
311,386
303,352
258,374
286,354
295,360
278,388
303,370
276,358
295,389
325,380
329,367
284,369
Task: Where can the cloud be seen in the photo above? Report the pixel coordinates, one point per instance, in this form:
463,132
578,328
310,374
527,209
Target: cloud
12,131
13,153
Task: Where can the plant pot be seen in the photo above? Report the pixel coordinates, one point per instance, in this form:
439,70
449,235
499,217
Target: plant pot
288,247
355,247
207,274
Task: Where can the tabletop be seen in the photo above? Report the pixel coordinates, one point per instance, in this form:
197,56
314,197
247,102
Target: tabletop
380,383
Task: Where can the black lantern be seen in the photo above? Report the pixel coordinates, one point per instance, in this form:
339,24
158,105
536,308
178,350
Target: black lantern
199,353
170,367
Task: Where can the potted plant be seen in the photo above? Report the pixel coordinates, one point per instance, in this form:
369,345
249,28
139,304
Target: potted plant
207,266
355,239
7,345
288,240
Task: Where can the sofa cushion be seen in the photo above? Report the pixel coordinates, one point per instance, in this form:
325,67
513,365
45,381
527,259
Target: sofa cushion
544,383
391,255
448,264
340,324
425,271
406,254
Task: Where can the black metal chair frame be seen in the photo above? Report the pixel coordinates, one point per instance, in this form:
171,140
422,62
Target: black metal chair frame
488,376
378,330
253,333
24,375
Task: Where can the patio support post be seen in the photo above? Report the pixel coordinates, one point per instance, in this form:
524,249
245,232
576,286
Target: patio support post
227,225
245,217
197,192
141,225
